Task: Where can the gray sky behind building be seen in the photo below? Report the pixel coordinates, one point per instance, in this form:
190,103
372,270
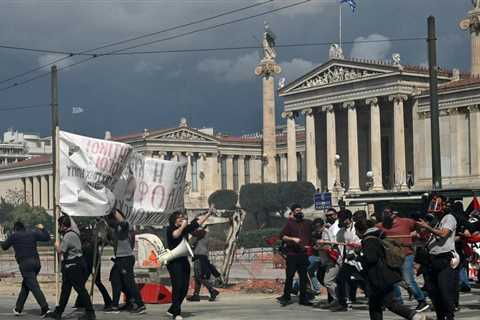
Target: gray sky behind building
217,89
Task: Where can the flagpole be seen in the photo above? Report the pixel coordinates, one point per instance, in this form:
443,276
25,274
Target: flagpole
340,25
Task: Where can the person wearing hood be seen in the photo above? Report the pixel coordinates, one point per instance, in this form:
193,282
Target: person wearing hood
73,270
380,277
297,234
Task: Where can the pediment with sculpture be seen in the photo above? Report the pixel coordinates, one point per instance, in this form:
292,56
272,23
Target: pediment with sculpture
336,74
184,134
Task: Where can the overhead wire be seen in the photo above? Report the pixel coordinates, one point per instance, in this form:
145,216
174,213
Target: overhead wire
71,54
9,108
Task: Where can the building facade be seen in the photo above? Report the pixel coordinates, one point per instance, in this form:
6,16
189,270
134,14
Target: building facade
18,146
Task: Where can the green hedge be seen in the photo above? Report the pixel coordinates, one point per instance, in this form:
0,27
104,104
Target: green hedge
223,199
256,238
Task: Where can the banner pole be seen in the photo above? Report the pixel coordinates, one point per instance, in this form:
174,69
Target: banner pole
55,171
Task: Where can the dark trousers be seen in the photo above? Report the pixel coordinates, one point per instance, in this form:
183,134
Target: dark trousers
98,281
73,276
344,282
122,277
296,263
201,271
441,283
213,270
29,268
386,297
179,270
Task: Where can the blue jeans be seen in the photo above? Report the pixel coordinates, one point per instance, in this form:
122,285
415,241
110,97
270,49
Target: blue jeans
463,276
313,263
409,277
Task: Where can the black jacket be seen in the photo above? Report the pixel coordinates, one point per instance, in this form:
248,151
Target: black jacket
372,257
25,242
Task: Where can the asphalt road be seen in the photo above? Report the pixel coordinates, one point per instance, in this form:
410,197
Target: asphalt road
239,306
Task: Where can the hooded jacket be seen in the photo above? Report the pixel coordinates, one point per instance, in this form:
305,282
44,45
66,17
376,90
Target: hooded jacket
372,257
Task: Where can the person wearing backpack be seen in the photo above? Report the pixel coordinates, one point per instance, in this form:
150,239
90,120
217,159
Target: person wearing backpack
401,229
381,278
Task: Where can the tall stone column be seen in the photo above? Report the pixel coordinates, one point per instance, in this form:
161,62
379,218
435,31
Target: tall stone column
375,144
241,171
474,139
291,146
458,142
472,23
331,146
399,140
229,165
266,69
256,169
283,167
201,168
189,167
353,174
310,148
212,174
162,155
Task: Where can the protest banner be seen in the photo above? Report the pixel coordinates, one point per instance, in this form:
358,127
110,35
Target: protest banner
96,175
150,189
89,170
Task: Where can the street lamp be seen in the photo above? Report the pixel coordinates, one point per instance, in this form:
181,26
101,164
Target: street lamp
338,164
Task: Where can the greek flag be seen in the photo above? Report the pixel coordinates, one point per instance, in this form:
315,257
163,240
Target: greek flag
351,3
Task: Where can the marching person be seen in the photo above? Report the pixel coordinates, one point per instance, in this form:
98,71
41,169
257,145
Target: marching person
380,277
402,229
440,273
122,274
297,235
73,270
24,244
201,265
179,268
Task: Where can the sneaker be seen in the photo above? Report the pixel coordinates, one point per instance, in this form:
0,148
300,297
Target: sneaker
17,313
53,315
339,308
169,314
305,303
126,307
88,316
179,317
213,295
139,310
284,301
465,288
419,316
44,312
422,306
194,298
110,309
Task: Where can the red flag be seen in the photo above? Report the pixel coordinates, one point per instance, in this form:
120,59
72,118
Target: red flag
474,205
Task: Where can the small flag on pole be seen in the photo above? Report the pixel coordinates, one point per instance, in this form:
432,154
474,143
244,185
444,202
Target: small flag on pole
77,110
351,3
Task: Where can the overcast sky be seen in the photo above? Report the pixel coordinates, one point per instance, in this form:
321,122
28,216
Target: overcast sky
126,94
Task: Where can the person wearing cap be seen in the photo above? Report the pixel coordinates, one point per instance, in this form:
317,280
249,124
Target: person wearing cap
350,268
297,235
24,243
402,229
440,273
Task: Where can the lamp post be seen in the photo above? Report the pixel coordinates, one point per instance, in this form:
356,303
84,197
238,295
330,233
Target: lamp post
338,183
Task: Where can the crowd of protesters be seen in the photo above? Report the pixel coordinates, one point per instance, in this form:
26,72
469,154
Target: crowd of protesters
381,255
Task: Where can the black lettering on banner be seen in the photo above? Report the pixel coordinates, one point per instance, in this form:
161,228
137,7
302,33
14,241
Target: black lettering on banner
158,196
158,172
141,191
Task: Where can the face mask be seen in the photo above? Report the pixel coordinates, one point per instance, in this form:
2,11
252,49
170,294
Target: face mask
331,219
298,216
342,224
388,221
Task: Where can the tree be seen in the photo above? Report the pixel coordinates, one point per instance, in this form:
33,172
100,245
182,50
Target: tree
223,199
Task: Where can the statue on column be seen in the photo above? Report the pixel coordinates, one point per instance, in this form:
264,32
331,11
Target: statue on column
268,44
476,4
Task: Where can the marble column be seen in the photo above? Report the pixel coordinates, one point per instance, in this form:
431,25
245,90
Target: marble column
375,144
474,139
256,169
291,146
162,155
353,174
310,148
399,140
331,146
201,168
241,171
283,167
459,138
229,165
188,178
212,175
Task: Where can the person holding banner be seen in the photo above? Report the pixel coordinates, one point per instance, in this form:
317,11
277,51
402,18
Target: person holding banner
24,244
179,268
122,274
73,270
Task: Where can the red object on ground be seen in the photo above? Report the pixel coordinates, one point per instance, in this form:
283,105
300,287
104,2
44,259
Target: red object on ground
154,293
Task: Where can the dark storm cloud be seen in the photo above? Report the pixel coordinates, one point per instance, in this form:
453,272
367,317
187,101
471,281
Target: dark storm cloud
129,93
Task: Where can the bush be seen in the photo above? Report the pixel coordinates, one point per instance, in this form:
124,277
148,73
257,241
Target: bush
223,199
256,238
